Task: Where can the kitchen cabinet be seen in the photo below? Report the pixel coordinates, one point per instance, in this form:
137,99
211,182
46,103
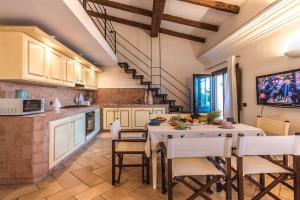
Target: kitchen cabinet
56,66
140,117
91,79
78,126
109,116
34,57
130,118
69,73
35,62
60,143
124,114
80,74
65,136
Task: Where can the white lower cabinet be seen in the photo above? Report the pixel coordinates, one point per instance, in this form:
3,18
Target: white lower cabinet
130,118
78,126
65,136
140,117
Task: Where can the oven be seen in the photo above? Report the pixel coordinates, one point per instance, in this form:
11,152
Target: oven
90,122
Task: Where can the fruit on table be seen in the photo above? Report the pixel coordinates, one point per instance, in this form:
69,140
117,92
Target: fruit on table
181,125
195,120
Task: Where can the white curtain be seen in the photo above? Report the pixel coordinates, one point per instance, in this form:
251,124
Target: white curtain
230,86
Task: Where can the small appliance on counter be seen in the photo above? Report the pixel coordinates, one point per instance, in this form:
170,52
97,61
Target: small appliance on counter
19,106
56,105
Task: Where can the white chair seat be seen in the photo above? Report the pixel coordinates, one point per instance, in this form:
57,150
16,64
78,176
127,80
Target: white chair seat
133,136
193,167
258,165
130,146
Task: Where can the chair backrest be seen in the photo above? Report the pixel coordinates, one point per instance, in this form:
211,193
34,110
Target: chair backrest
199,147
268,145
115,128
273,127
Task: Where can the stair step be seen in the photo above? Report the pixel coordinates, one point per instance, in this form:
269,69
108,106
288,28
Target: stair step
138,77
169,101
130,71
146,83
124,65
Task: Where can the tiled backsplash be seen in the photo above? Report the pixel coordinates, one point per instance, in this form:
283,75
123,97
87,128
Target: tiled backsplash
64,94
107,96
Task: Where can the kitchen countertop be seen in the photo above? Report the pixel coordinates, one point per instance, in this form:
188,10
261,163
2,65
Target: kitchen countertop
133,105
63,113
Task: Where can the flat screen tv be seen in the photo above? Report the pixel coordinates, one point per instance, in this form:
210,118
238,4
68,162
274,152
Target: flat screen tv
279,89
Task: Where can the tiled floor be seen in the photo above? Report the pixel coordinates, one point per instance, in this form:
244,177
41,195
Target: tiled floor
87,176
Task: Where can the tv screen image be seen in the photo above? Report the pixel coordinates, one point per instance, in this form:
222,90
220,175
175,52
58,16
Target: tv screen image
279,89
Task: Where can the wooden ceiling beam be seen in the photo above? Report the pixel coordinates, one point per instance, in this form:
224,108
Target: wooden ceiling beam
119,20
166,17
188,22
182,35
146,26
218,5
157,14
124,7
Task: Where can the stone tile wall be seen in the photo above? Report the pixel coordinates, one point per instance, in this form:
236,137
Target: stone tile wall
64,94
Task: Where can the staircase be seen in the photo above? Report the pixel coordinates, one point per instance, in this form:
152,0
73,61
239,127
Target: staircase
155,91
169,90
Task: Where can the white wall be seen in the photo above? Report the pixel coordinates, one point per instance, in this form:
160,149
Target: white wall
115,77
265,56
248,10
178,57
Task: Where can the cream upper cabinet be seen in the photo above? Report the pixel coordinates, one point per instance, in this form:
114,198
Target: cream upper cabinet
35,60
140,117
91,79
69,73
80,74
56,66
29,59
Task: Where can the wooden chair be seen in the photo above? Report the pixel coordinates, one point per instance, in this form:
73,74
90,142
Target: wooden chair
188,157
273,127
253,156
129,145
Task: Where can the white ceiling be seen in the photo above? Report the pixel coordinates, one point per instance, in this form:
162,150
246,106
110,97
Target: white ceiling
180,9
57,18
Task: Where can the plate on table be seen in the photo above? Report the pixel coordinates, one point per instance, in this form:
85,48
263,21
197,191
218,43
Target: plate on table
227,127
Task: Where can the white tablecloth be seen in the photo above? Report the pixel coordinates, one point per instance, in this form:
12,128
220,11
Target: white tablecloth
158,134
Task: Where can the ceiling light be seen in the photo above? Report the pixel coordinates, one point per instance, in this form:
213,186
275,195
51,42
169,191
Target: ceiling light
293,53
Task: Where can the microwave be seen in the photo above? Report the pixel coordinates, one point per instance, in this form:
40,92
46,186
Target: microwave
21,106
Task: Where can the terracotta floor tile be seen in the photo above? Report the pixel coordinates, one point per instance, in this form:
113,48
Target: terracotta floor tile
51,189
67,193
87,177
94,191
68,180
25,190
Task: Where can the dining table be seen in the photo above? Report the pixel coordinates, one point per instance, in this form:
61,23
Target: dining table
159,133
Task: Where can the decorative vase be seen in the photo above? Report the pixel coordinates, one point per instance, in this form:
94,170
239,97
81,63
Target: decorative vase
150,98
146,97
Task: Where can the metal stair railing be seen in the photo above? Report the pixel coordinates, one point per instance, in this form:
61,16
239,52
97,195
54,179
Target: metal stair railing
121,46
104,26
